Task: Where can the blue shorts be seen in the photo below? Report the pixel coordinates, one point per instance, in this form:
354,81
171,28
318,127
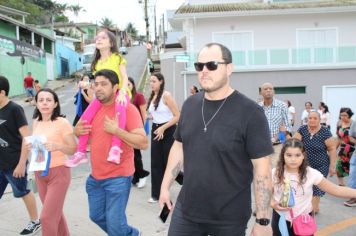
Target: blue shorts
18,185
30,92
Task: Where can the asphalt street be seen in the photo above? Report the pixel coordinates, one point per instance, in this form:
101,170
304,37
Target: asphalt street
333,219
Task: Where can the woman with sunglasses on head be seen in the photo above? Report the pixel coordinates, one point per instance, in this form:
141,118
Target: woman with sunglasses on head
320,148
84,96
346,148
53,187
108,57
165,114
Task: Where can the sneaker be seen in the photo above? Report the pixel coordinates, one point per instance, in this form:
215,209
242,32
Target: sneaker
114,154
31,228
351,202
152,200
141,183
76,159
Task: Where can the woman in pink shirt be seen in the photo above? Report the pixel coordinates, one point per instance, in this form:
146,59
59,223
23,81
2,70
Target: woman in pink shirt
53,187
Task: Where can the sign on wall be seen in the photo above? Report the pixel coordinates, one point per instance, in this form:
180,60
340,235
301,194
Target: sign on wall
16,48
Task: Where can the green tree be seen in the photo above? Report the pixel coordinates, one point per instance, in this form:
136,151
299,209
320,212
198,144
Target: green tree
131,29
41,11
76,9
106,23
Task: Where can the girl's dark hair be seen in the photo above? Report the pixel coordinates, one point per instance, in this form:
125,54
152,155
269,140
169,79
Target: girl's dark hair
326,108
56,111
347,110
113,48
133,91
160,77
293,143
289,103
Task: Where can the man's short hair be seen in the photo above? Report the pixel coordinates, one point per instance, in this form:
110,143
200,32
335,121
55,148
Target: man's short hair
109,74
226,53
4,85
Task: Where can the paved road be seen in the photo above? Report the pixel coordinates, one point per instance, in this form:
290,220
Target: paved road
334,218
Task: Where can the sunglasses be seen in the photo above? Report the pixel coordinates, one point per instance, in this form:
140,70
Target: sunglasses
210,65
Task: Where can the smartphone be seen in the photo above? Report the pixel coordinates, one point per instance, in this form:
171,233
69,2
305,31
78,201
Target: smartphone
164,213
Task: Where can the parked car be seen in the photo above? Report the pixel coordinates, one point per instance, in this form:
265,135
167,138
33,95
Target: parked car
123,50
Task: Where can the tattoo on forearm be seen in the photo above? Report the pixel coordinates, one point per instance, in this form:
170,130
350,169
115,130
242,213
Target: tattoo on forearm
175,171
263,194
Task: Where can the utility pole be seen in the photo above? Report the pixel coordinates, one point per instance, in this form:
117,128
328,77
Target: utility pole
147,31
155,27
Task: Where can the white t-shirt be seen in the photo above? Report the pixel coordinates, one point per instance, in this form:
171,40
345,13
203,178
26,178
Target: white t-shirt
291,112
303,194
305,117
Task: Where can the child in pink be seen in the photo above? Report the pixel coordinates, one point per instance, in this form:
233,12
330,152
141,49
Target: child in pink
106,57
293,167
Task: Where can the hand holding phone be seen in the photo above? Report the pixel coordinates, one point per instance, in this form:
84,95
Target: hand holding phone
164,213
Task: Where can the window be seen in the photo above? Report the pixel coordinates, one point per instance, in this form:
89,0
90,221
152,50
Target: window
238,42
315,46
288,90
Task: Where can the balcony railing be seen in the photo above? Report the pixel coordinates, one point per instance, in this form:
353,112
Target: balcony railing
290,57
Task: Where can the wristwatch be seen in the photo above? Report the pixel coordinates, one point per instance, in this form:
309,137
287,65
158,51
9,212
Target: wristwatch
263,221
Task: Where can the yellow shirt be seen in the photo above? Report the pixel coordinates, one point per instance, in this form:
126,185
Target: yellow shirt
112,63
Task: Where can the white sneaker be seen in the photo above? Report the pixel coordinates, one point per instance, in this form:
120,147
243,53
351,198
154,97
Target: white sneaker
141,183
152,200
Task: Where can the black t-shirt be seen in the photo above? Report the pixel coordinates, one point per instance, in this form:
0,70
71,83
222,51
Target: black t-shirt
218,171
12,118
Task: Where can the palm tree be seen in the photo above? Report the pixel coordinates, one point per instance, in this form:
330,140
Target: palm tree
76,9
131,29
106,23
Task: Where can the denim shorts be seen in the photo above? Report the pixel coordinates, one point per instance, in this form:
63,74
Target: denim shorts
18,185
30,92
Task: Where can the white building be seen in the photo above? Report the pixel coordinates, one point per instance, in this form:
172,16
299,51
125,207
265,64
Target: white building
306,49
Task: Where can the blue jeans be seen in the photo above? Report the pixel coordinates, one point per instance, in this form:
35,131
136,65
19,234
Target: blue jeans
107,204
18,185
352,172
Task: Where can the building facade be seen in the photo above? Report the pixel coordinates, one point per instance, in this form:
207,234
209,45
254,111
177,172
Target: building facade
306,49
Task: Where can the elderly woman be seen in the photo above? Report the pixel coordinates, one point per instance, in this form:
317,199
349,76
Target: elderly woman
320,147
346,147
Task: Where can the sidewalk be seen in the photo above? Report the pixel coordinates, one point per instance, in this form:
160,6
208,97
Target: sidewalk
52,84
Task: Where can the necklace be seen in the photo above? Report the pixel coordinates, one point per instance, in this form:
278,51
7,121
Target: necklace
202,113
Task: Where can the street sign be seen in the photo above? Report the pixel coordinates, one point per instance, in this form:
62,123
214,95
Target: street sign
182,58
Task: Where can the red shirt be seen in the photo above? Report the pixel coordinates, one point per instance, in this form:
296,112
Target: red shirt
28,81
100,144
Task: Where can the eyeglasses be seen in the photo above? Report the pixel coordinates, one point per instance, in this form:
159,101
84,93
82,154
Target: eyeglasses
210,65
100,37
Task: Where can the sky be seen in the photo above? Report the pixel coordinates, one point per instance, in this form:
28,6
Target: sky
121,12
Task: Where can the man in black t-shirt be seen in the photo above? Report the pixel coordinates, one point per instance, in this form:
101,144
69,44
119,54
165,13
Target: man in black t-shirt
223,147
13,128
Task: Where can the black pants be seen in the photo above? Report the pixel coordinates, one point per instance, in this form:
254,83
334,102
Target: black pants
139,171
275,228
159,157
181,226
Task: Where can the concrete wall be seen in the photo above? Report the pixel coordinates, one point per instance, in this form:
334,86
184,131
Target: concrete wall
278,31
11,67
74,59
